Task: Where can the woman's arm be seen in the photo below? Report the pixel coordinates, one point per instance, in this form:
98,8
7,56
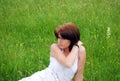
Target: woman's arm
66,61
81,64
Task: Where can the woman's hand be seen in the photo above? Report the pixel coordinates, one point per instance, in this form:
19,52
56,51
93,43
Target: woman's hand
79,43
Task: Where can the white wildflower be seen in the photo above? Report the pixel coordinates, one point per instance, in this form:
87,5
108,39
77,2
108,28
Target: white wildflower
108,33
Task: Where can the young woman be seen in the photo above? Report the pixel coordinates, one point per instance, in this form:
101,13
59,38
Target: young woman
67,57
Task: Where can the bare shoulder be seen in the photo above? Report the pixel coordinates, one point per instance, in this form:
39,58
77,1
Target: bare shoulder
52,49
82,51
54,46
81,47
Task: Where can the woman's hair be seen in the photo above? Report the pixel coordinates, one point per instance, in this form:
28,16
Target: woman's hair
68,31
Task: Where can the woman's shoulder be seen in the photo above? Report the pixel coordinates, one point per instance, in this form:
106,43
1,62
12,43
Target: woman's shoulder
54,46
82,53
82,49
81,46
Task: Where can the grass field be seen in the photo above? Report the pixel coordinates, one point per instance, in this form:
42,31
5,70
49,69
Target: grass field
26,33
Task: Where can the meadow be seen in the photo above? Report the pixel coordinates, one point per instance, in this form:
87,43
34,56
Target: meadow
26,33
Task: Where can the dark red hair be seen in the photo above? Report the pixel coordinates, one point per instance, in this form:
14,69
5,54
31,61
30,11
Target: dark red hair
68,31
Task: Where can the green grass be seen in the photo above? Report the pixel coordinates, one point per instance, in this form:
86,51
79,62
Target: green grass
26,33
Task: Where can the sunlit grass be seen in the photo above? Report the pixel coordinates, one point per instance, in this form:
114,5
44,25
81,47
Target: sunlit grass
26,33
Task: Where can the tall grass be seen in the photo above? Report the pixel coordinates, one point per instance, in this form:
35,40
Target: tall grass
26,33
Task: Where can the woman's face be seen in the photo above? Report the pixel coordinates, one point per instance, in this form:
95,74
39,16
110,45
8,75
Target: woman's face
63,43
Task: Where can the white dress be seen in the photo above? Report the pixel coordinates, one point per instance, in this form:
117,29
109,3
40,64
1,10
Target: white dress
54,72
